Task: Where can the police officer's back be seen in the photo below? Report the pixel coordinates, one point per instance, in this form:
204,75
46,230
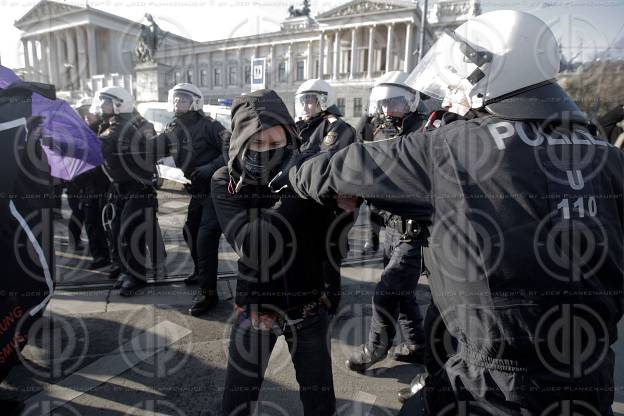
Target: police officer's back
525,246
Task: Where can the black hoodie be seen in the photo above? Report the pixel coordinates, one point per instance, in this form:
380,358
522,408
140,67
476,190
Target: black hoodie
276,236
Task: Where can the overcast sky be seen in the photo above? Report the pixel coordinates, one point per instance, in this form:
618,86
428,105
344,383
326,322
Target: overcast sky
594,24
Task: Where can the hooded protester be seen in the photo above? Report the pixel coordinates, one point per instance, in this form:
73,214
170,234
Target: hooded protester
280,284
41,137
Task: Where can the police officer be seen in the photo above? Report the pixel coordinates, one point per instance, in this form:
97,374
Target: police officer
396,110
94,185
322,130
196,142
524,204
131,168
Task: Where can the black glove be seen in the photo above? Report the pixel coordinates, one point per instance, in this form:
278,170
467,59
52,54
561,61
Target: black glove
331,299
281,181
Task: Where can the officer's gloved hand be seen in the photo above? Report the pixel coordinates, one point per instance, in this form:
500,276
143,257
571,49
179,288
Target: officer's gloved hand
281,181
202,174
331,298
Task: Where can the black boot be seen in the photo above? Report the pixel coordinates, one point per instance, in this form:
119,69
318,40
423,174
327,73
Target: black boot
114,272
365,358
11,407
417,384
191,279
99,263
121,277
130,285
202,303
409,353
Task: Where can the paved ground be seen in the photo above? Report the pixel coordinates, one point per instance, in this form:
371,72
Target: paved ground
95,353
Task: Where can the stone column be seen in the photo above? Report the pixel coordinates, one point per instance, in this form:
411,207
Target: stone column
71,58
389,49
309,61
271,76
291,65
196,73
241,68
354,46
408,47
60,60
209,69
26,56
92,51
51,58
371,52
36,64
83,73
321,55
336,56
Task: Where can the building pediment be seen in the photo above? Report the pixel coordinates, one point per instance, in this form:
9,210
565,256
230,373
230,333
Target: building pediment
46,10
359,7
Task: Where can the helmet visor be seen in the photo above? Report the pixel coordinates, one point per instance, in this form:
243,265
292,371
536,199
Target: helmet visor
103,105
391,98
180,101
309,104
443,68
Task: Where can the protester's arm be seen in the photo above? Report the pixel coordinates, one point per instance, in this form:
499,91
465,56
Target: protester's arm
392,174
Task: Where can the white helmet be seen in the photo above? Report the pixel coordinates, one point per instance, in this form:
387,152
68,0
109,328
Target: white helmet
315,89
84,102
121,98
491,58
392,87
194,93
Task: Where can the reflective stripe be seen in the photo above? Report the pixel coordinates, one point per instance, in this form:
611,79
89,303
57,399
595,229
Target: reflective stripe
40,254
8,125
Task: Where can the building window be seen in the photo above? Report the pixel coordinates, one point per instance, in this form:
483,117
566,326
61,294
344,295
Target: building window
300,70
281,72
217,77
232,75
248,74
176,77
189,77
357,107
340,102
316,69
204,77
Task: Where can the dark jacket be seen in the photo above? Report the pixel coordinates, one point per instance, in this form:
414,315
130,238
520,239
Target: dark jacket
526,230
326,132
195,141
279,243
368,126
125,140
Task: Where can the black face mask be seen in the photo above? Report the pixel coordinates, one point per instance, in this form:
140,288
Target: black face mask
263,166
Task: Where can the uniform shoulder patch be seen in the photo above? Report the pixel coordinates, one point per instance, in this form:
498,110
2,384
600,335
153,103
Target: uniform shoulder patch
330,138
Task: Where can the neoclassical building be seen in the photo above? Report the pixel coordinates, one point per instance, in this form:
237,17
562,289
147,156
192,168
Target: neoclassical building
80,49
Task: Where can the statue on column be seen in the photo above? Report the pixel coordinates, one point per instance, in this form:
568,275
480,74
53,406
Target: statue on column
149,40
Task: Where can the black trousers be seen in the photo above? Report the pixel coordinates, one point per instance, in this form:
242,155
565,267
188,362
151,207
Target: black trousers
202,233
249,353
92,207
394,301
137,229
75,200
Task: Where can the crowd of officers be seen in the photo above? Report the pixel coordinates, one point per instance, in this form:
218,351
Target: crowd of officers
283,192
